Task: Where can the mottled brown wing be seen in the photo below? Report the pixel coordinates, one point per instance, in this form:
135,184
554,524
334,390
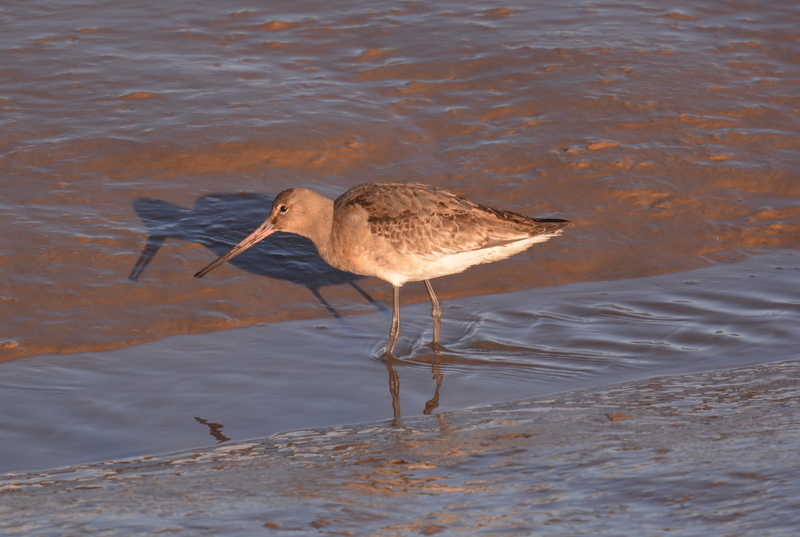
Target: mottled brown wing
428,222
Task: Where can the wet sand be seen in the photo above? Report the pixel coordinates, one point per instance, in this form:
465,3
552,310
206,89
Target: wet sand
714,452
666,134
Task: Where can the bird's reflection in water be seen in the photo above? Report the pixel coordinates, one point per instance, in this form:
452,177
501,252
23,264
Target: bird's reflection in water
442,357
394,387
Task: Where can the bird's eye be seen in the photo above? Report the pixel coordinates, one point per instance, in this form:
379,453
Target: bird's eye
282,209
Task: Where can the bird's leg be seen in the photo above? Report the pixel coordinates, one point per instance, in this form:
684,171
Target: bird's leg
395,330
436,314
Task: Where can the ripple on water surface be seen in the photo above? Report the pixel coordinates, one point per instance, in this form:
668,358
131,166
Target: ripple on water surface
695,454
259,380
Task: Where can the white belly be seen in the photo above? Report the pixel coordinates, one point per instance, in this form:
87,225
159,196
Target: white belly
418,269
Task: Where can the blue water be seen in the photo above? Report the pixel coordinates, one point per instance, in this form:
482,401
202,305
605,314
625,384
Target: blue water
263,379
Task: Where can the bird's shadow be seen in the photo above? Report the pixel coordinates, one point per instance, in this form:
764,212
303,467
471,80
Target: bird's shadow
219,221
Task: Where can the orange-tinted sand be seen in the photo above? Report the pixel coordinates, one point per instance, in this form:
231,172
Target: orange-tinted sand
667,134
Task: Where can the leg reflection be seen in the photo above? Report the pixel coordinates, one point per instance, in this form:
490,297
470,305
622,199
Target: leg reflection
394,389
431,405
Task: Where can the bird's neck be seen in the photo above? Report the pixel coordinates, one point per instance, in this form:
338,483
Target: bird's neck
321,223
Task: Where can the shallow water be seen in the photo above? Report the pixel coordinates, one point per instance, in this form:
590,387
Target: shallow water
256,381
691,455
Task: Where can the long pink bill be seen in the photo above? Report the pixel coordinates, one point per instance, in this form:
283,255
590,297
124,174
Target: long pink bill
263,231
